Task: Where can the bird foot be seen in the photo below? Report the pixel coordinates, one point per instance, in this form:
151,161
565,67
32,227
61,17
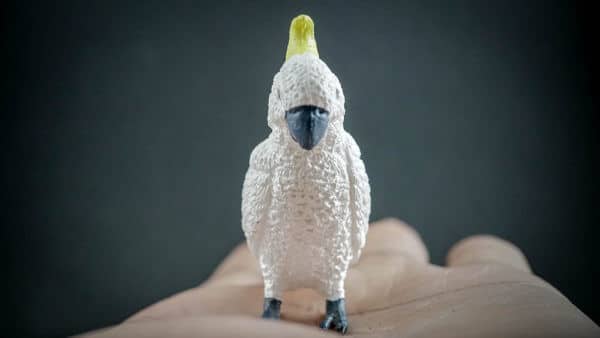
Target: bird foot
271,308
335,316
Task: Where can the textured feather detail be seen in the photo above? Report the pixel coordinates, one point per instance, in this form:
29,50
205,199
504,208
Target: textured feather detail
305,213
360,197
256,197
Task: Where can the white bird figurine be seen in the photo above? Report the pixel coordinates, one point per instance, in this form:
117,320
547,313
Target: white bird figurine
306,196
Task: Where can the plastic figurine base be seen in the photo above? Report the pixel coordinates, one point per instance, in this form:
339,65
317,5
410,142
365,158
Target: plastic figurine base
306,196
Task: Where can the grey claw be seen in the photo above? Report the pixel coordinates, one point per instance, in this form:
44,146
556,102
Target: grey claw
271,308
326,324
335,317
342,327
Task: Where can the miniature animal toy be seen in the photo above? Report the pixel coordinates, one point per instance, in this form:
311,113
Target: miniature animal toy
306,195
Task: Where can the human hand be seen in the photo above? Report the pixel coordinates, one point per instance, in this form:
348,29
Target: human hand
486,290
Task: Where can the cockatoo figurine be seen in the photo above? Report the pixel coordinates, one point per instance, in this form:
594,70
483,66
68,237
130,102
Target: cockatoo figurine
306,196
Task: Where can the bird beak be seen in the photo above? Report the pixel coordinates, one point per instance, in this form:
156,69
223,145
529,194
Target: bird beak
307,125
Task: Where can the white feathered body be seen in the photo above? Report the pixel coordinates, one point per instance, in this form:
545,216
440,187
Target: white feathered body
305,213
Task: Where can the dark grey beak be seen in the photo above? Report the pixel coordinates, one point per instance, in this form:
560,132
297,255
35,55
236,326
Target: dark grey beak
307,125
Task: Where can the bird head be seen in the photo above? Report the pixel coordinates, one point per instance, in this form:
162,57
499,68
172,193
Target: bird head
306,101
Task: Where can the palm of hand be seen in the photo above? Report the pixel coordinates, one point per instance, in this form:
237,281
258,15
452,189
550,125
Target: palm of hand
487,289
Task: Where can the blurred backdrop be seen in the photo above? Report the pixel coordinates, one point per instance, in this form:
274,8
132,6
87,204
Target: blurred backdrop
129,124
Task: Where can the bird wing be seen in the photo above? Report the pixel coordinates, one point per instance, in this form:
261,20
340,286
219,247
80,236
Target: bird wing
360,197
256,196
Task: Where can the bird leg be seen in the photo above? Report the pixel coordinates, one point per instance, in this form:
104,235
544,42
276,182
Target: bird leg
335,316
271,308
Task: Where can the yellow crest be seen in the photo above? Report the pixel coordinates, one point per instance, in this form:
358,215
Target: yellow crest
302,37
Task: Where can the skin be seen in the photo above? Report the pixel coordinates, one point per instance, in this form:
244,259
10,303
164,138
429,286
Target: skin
486,289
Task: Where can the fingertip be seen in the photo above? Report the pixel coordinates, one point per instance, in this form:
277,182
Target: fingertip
486,249
240,259
391,235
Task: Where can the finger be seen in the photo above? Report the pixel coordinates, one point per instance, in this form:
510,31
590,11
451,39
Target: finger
209,326
240,266
502,309
392,260
392,236
486,249
210,299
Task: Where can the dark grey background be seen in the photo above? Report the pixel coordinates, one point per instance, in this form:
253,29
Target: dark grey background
129,126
